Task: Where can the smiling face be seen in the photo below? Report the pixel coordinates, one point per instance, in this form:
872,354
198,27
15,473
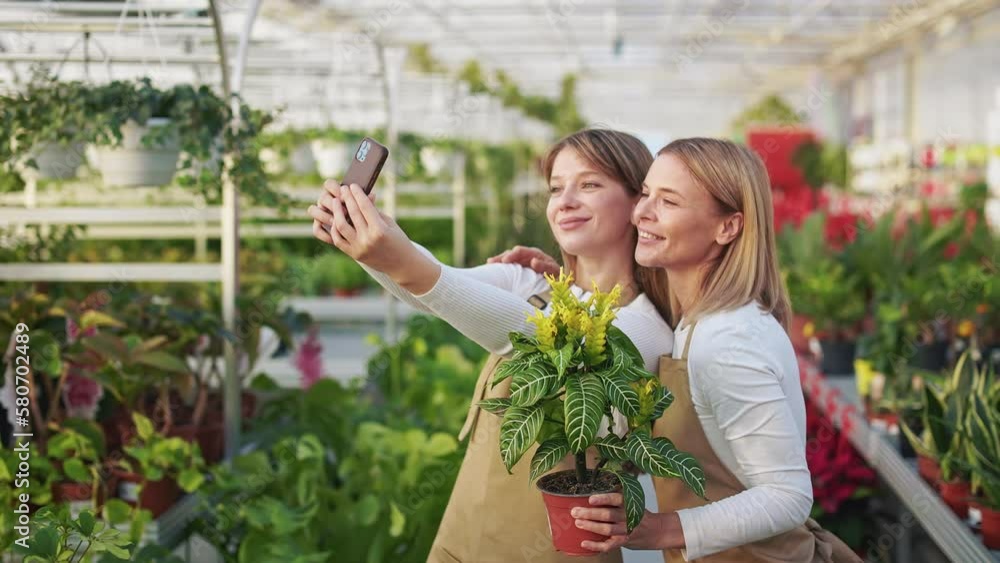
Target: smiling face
680,224
588,211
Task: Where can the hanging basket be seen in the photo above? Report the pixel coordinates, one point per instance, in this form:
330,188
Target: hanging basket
134,164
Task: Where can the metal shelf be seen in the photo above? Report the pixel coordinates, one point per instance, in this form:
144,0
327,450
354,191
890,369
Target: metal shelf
840,403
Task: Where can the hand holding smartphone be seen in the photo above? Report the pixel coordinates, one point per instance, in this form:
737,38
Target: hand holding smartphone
365,167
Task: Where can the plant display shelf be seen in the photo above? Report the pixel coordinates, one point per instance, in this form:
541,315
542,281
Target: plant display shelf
838,400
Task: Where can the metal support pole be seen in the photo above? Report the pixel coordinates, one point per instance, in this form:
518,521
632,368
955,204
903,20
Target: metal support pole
230,221
390,87
458,211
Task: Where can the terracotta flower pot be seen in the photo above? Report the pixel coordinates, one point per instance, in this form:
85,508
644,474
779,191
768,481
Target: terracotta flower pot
956,495
212,441
929,469
72,492
156,496
566,537
990,526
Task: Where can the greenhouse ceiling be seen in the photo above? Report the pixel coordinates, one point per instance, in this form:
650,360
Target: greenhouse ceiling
680,66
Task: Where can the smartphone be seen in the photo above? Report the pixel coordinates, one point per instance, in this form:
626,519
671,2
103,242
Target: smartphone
366,164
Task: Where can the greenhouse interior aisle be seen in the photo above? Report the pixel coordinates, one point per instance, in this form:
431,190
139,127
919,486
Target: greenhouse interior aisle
195,370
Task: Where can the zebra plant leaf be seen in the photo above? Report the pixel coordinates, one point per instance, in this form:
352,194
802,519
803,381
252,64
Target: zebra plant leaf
584,407
682,465
495,406
518,431
636,372
562,358
621,394
635,499
519,362
620,341
664,402
646,456
548,455
532,383
612,447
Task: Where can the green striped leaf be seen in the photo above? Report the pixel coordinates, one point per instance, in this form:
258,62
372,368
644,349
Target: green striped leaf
562,358
548,455
532,383
619,340
518,431
635,499
612,447
522,342
584,407
682,465
519,362
621,394
666,399
636,372
495,406
647,456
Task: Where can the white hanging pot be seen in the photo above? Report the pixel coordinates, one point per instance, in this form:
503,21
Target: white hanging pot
133,164
301,160
331,157
436,160
57,160
272,161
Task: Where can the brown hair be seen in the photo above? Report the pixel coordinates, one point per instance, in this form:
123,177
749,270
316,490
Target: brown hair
747,269
625,159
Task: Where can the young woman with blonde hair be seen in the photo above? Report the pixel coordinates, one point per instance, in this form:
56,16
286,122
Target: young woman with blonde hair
706,218
594,178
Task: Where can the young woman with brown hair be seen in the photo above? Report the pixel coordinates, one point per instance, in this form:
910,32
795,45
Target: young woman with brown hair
594,179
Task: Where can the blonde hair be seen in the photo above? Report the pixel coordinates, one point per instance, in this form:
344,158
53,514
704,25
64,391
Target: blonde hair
747,269
625,159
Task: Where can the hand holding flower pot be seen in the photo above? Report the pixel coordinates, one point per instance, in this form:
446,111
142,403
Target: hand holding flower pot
565,380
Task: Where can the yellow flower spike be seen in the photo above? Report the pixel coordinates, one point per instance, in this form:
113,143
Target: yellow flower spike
965,328
808,330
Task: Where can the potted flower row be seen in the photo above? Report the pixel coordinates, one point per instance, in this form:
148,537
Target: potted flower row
959,446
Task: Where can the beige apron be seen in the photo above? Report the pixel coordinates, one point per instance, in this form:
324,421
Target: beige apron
493,517
808,543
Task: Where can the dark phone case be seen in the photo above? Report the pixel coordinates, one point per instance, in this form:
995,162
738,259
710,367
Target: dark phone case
366,164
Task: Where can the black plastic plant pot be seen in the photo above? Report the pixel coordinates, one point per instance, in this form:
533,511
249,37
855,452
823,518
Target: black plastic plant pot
931,357
838,357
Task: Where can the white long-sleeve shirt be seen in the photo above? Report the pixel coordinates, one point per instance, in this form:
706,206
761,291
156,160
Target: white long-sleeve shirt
745,387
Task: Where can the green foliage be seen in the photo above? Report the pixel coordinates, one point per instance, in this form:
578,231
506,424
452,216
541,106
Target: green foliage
157,457
52,110
772,110
822,164
945,417
59,537
821,282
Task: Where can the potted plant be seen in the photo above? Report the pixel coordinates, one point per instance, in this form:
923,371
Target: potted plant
564,380
44,126
349,278
77,460
59,536
826,291
984,454
945,438
155,467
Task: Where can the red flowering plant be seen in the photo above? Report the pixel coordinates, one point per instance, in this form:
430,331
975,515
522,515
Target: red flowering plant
841,479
